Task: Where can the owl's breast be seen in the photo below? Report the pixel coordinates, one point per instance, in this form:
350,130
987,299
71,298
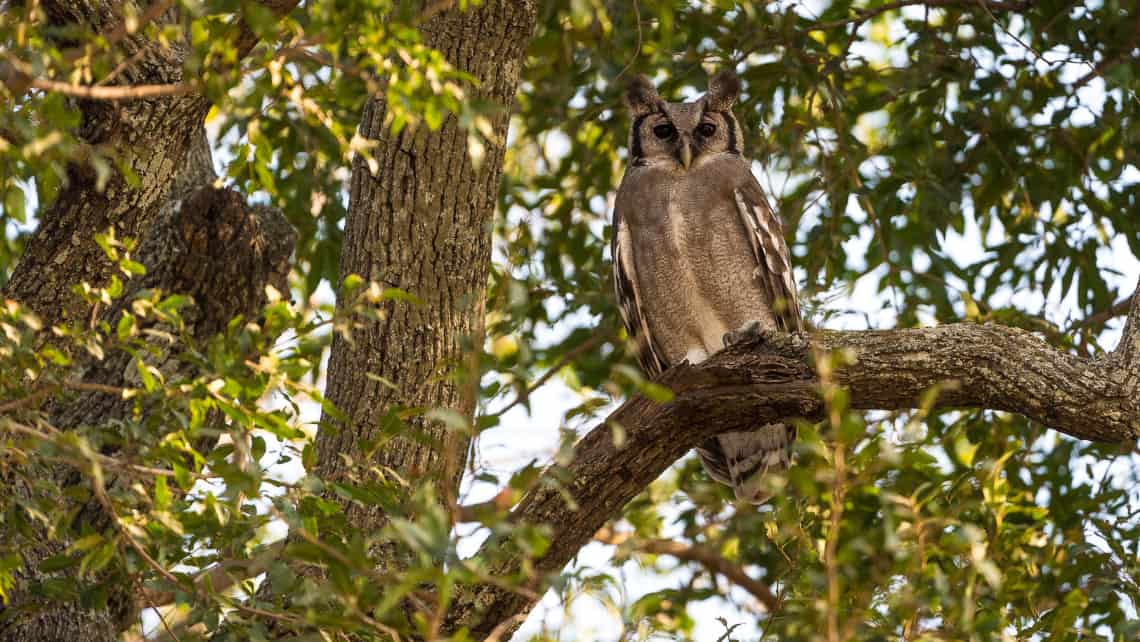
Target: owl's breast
696,269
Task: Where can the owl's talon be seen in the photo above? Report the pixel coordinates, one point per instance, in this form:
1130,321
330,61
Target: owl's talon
751,331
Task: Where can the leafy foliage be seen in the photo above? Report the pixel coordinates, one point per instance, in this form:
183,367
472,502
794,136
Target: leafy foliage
952,162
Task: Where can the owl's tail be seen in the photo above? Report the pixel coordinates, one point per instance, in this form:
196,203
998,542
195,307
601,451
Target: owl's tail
741,459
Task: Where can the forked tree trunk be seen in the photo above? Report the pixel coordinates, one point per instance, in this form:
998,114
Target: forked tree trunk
196,240
150,137
423,224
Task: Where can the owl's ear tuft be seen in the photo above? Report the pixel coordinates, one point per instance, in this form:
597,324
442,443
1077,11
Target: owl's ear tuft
724,89
641,97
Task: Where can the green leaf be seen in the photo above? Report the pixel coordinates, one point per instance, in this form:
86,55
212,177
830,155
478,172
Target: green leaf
162,497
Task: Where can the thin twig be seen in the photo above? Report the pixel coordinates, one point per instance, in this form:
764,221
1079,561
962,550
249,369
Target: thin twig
830,551
120,31
88,386
162,618
115,93
1025,45
24,402
637,49
151,14
383,628
298,52
104,460
381,578
101,495
1111,61
703,555
17,76
122,66
600,335
841,133
865,15
500,503
502,627
219,577
1119,308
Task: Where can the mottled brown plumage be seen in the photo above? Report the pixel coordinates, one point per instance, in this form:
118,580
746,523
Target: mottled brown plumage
700,256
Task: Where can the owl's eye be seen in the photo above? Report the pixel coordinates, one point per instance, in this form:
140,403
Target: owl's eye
664,131
706,129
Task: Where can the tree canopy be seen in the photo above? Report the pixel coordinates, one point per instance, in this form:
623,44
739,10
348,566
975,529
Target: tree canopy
959,174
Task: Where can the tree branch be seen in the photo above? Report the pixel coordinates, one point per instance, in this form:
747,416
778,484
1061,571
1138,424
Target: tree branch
1117,309
600,334
702,555
222,576
865,15
1109,62
1126,357
984,366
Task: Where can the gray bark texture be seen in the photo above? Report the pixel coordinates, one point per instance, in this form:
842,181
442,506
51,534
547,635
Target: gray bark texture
423,224
220,252
195,240
151,136
979,366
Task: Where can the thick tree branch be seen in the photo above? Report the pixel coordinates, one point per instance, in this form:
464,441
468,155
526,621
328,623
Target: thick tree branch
984,366
150,135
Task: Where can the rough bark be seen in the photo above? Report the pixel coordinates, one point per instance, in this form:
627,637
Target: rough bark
423,224
148,135
981,366
196,240
222,253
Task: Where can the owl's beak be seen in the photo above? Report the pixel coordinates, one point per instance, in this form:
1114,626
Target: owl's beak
685,152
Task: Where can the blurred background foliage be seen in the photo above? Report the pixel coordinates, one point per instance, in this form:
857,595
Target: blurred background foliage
972,161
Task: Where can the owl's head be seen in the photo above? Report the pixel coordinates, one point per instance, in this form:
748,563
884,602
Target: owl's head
681,134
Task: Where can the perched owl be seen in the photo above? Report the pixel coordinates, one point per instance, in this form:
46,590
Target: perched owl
699,257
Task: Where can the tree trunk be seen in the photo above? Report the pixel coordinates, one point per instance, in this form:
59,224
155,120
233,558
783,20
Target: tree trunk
220,252
196,240
149,136
423,224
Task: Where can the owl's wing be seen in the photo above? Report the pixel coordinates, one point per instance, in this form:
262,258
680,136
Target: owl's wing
773,263
629,299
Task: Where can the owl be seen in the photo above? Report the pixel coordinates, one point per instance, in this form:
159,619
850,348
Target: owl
699,257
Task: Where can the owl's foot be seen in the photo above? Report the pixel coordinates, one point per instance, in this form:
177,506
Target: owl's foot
751,331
